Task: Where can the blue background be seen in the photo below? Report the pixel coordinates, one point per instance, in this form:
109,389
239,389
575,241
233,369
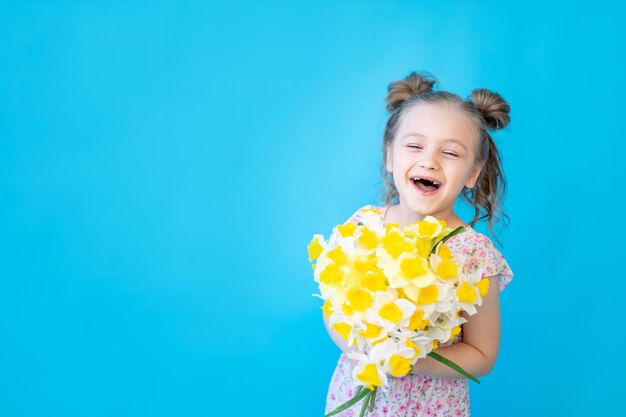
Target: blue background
163,166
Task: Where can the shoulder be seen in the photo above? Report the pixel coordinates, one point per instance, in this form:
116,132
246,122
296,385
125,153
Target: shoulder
475,244
363,209
482,253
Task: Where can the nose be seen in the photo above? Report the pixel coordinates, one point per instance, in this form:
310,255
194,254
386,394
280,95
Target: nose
428,161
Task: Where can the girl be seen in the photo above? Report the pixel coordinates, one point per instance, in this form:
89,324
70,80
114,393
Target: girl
436,146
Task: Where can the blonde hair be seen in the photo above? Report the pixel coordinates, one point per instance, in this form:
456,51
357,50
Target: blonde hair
486,109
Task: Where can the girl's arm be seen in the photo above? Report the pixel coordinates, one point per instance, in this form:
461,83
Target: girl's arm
336,337
478,350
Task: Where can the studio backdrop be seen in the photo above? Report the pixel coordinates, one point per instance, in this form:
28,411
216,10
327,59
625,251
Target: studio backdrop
163,166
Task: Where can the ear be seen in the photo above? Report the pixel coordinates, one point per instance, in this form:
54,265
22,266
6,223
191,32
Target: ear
475,173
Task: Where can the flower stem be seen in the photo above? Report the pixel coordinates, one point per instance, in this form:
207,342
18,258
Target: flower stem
372,399
448,236
350,403
367,399
453,365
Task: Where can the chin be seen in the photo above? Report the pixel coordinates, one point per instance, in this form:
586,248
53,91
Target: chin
415,208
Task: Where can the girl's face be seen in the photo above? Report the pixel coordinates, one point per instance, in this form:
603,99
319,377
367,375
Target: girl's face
433,141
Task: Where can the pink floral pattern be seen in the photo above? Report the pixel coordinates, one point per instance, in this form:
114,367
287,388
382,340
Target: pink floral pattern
422,395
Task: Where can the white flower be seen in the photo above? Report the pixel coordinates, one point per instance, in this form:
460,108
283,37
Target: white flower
389,310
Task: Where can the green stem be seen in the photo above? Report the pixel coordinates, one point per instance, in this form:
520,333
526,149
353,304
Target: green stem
349,403
365,401
373,398
446,237
453,365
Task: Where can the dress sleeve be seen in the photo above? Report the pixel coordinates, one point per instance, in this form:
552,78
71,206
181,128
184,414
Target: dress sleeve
356,216
493,262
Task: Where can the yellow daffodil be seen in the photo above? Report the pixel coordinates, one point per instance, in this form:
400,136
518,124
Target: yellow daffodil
447,269
400,365
360,299
428,295
374,280
332,275
337,255
370,375
395,243
327,308
429,227
483,286
347,229
343,329
390,311
371,209
467,295
411,345
315,248
368,238
408,269
444,251
417,321
423,246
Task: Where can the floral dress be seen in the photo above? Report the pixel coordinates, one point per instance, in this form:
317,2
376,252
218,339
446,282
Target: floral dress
421,395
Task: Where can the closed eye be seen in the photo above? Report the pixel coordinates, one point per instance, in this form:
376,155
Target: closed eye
450,153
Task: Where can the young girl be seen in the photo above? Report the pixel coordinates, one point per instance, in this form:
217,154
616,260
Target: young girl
436,146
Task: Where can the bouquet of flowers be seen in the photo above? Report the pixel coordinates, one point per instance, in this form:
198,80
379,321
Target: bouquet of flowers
394,294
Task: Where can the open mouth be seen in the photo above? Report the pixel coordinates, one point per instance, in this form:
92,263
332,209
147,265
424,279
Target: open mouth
426,185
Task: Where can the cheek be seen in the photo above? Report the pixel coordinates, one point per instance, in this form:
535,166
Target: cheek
397,162
459,175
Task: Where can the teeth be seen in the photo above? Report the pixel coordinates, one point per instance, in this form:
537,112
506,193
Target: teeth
434,182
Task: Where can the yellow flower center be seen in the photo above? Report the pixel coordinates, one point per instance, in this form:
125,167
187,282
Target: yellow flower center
369,375
447,269
372,209
371,332
368,238
359,299
374,281
395,243
343,329
426,228
347,309
315,249
331,275
483,286
444,251
428,294
327,308
337,255
424,247
416,321
391,312
365,265
346,229
466,293
412,266
399,365
409,343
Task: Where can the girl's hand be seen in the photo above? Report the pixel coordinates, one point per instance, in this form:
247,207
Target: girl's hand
478,350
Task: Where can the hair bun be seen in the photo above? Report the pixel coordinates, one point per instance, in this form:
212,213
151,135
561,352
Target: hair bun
493,108
413,84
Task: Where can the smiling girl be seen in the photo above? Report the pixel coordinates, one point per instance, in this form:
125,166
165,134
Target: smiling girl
436,147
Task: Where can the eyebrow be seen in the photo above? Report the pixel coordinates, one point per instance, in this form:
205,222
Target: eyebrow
444,140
